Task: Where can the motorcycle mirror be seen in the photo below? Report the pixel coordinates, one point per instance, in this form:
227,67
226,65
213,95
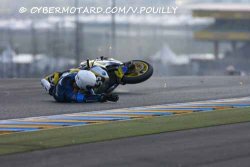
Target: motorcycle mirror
88,66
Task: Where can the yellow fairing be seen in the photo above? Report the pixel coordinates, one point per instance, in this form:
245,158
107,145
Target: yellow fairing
56,78
119,73
53,77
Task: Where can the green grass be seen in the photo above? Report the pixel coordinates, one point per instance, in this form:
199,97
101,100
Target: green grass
29,141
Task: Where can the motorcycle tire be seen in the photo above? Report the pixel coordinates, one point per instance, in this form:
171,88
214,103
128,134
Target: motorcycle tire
128,79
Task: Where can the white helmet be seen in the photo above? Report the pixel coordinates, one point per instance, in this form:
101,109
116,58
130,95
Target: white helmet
85,79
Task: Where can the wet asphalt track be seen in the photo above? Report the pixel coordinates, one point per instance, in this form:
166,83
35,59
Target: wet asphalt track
216,146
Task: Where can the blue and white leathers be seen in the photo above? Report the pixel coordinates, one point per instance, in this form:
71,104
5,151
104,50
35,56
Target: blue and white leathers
64,91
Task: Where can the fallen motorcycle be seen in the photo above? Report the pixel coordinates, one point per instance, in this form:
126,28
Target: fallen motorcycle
110,73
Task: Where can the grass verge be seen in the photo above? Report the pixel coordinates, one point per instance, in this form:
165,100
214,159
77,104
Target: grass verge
30,141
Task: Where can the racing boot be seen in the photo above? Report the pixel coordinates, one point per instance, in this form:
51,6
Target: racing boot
109,97
46,85
112,97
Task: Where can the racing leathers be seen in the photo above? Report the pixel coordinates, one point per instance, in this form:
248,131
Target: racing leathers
64,91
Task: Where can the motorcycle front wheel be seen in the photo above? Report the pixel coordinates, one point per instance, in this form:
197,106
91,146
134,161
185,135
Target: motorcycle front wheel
138,71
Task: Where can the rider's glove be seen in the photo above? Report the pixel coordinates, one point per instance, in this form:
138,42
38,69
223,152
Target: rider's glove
110,97
103,98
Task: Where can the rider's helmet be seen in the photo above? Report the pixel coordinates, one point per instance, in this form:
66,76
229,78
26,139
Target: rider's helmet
85,79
